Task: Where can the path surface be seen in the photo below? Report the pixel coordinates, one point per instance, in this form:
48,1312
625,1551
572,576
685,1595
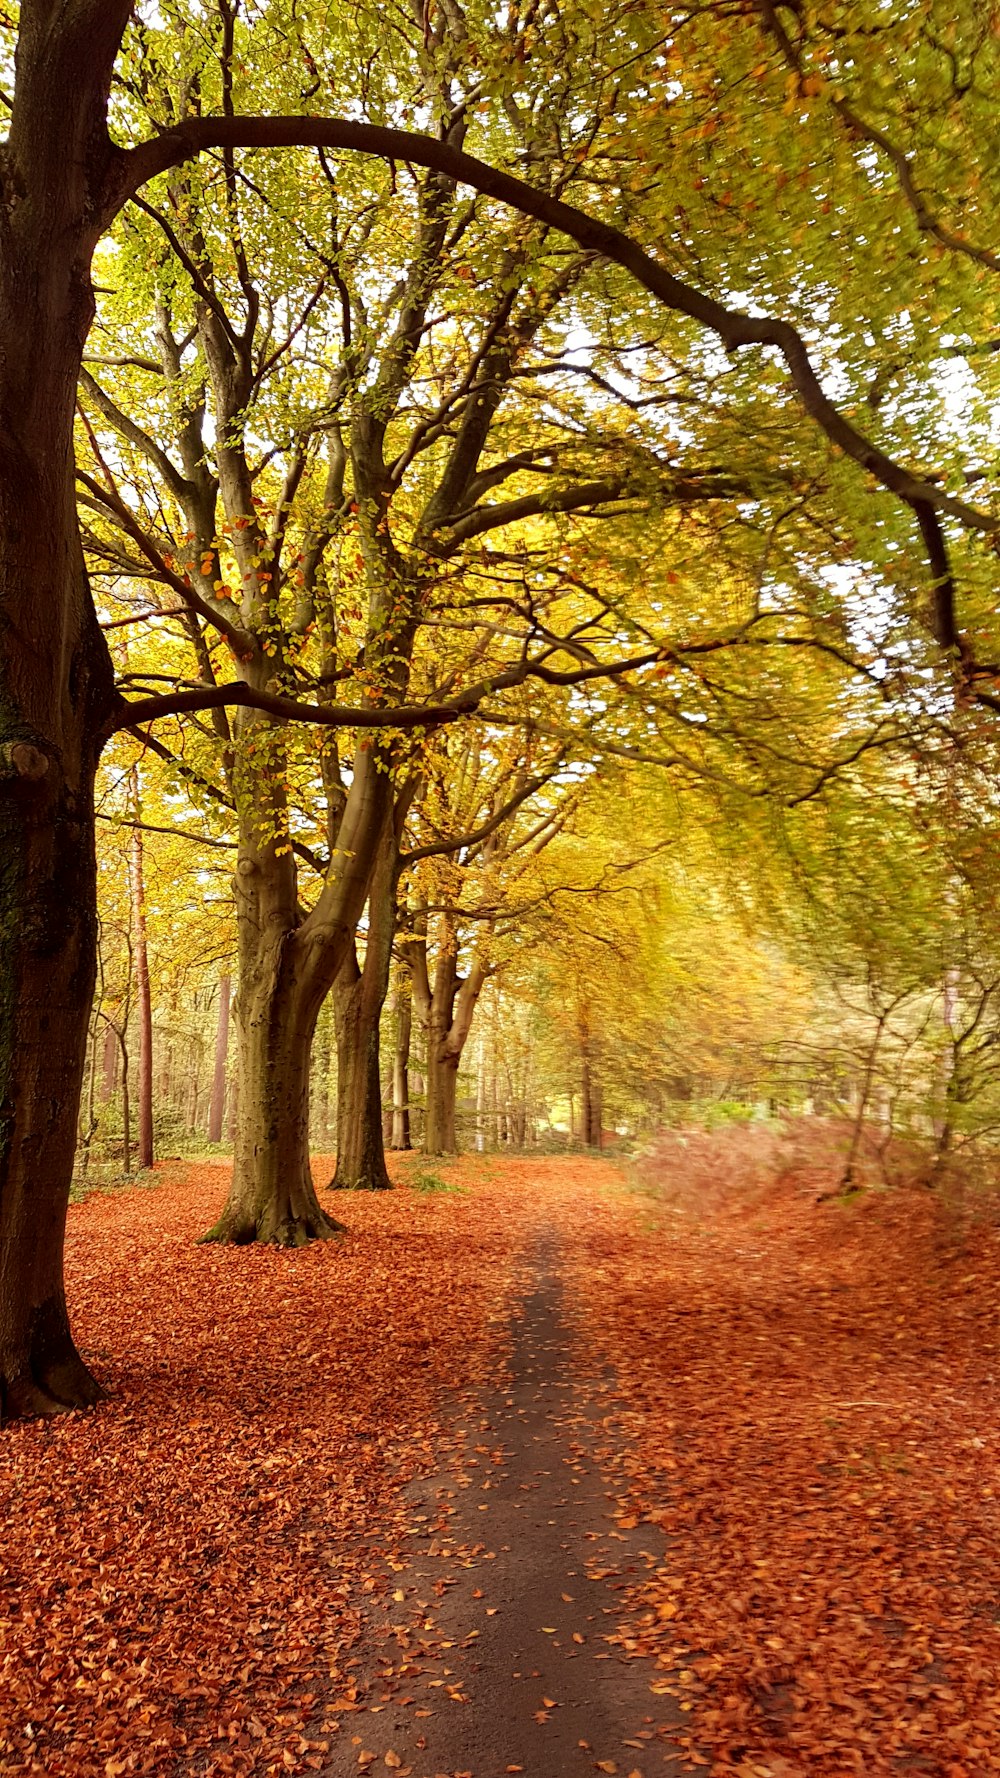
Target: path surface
500,1658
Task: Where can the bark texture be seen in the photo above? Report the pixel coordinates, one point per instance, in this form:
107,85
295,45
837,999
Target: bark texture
287,967
56,688
446,1009
359,996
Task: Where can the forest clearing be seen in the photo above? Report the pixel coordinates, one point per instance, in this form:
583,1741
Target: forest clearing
789,1408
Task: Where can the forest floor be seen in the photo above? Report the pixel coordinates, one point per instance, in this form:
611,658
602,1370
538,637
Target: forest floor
567,1469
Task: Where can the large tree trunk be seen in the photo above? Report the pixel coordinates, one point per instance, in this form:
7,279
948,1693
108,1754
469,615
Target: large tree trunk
56,688
218,1101
359,996
47,958
441,1133
272,1197
360,1153
287,966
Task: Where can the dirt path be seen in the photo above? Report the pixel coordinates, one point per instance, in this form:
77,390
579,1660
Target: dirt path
500,1658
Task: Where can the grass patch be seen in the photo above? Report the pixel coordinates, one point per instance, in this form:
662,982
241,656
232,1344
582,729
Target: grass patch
433,1182
109,1187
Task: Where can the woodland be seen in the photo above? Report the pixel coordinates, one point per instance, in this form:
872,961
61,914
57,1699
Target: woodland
500,669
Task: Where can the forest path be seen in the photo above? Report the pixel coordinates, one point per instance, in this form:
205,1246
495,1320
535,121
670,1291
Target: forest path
753,1438
501,1656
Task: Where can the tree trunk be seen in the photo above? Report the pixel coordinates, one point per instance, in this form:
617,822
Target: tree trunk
287,967
446,1011
590,1104
319,1097
144,1005
441,1132
401,1069
272,1197
358,996
109,1073
360,1153
47,973
56,683
218,1102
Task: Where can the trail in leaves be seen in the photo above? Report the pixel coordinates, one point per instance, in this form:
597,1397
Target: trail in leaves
182,1572
796,1425
501,1654
809,1415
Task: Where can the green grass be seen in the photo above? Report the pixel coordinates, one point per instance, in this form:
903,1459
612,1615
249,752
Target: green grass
433,1182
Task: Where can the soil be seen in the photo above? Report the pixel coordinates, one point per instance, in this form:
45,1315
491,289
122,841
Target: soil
502,1659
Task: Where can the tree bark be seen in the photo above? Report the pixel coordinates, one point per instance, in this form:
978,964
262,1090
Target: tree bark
56,685
287,967
272,1197
144,1004
401,1067
447,1011
359,995
441,1136
218,1101
360,1151
590,1093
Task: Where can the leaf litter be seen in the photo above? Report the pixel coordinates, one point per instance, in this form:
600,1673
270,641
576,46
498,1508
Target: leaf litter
801,1432
806,1432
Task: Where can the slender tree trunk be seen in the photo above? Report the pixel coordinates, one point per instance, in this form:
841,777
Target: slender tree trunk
144,1005
126,1109
481,1102
590,1091
359,995
401,1069
848,1177
109,1074
218,1101
90,1126
319,1100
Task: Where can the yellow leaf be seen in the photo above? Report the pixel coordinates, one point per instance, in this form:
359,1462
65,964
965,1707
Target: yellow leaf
393,1760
